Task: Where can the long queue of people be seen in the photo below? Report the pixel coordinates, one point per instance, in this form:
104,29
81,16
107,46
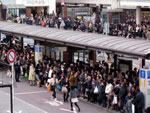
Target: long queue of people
128,29
97,84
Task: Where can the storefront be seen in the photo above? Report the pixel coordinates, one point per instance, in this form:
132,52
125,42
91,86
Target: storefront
112,16
38,6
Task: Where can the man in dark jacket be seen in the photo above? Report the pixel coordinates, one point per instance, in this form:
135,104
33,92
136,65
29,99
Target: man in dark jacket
139,101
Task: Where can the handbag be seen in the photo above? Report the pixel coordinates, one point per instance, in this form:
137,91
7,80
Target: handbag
58,87
74,100
86,90
25,75
48,88
115,101
64,89
96,90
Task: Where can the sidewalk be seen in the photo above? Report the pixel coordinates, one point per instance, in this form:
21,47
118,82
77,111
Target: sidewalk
80,99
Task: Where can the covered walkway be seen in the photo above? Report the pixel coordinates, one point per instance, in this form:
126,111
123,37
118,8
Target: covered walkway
91,41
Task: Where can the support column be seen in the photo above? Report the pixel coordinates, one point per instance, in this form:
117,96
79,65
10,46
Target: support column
65,12
68,55
143,63
0,11
122,17
52,7
138,15
22,43
115,64
97,13
92,56
110,17
28,12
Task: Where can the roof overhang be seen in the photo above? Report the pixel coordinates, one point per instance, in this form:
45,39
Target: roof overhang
3,66
112,10
141,3
16,6
92,41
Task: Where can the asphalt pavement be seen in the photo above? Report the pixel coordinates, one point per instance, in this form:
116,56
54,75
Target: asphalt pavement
31,99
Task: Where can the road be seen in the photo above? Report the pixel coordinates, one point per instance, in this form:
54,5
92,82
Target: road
31,99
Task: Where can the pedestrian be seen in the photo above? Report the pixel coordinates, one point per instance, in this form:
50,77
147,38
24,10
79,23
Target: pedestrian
73,91
53,83
17,70
139,101
32,75
65,89
108,91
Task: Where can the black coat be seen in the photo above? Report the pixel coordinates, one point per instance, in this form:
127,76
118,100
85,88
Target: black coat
139,100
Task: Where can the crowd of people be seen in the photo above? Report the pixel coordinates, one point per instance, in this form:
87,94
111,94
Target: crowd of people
128,29
98,84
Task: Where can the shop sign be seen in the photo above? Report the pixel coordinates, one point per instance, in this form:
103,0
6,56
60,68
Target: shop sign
35,2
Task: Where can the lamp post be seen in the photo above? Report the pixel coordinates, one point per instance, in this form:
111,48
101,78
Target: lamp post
0,9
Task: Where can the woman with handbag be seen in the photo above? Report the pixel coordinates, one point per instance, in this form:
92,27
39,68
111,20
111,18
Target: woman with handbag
73,90
53,83
65,89
32,75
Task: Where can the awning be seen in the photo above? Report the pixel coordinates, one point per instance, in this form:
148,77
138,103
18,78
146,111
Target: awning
92,41
142,3
112,10
3,66
16,6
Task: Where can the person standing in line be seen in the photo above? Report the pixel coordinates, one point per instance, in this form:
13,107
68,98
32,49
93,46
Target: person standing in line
73,90
17,70
139,101
53,83
32,75
66,85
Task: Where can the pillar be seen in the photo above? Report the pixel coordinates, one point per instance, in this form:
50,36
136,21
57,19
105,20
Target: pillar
143,63
115,64
65,12
67,55
122,17
92,56
28,12
22,43
138,15
52,7
97,13
110,17
0,11
18,12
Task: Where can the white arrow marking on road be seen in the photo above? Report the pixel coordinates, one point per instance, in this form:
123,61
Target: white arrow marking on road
60,102
52,103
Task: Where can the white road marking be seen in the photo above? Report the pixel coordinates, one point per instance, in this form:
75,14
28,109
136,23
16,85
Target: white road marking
60,102
15,111
54,102
74,110
66,110
25,93
27,103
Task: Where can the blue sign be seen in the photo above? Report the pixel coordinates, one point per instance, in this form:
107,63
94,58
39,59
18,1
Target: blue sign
40,49
36,48
99,52
54,49
148,74
142,74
